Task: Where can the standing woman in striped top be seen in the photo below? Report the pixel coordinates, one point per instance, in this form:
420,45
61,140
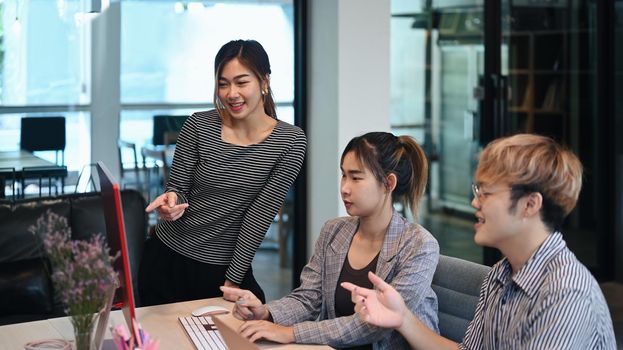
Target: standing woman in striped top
231,171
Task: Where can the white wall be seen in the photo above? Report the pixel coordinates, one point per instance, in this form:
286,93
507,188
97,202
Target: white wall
348,93
106,86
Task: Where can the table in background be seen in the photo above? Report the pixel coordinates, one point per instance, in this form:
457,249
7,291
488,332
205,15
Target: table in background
18,160
160,321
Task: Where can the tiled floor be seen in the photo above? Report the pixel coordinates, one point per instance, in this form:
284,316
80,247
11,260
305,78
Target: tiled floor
455,235
274,280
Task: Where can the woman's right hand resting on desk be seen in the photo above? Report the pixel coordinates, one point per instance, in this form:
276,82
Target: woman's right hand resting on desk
165,205
259,326
248,306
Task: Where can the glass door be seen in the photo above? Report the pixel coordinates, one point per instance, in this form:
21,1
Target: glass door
552,62
437,66
467,71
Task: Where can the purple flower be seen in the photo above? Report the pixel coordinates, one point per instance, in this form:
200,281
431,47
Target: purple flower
82,271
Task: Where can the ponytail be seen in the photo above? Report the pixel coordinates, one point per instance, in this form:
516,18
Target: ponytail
383,154
416,184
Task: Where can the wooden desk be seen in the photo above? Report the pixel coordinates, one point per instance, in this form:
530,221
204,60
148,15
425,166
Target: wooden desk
14,336
21,159
160,321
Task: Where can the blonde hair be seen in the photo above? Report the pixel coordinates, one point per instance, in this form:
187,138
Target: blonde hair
534,163
383,154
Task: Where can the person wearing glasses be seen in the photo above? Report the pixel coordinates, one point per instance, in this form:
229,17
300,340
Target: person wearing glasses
539,296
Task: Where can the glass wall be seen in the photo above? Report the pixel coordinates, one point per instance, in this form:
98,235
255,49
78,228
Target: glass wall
167,53
550,74
435,65
168,49
43,57
77,150
560,75
44,70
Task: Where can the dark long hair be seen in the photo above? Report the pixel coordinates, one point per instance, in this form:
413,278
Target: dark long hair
383,154
250,54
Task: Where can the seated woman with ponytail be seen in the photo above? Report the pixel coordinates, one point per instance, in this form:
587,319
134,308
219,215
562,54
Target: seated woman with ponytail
378,169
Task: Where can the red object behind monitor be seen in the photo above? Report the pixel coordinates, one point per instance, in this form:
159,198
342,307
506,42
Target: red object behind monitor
115,234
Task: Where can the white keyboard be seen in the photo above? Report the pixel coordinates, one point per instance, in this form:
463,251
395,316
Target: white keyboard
203,333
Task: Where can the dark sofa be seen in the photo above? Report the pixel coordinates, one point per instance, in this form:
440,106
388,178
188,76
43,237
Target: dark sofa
26,291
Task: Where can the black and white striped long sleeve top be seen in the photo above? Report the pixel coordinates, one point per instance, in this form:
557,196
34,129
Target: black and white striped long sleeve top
552,302
233,192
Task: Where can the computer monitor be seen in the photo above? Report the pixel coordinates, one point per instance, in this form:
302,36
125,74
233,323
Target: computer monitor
115,234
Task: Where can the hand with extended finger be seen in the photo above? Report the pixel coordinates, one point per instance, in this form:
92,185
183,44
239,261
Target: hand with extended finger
230,296
166,206
383,306
248,306
256,330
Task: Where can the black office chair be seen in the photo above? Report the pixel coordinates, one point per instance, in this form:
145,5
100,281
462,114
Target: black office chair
134,181
7,178
44,134
167,124
156,169
42,173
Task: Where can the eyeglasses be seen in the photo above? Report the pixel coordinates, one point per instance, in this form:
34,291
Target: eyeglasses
479,194
476,190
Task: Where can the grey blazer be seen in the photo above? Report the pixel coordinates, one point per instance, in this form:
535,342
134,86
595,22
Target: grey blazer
407,261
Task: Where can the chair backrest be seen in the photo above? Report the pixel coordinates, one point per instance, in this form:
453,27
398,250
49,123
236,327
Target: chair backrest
130,147
44,173
156,169
170,137
457,285
167,123
7,178
43,134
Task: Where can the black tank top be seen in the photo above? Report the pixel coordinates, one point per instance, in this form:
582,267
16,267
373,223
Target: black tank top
343,302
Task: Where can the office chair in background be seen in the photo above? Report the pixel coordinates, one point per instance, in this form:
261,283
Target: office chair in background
47,176
136,174
166,128
134,168
7,181
44,134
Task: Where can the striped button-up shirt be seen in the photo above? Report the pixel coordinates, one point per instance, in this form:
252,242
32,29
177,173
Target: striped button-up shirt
552,302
